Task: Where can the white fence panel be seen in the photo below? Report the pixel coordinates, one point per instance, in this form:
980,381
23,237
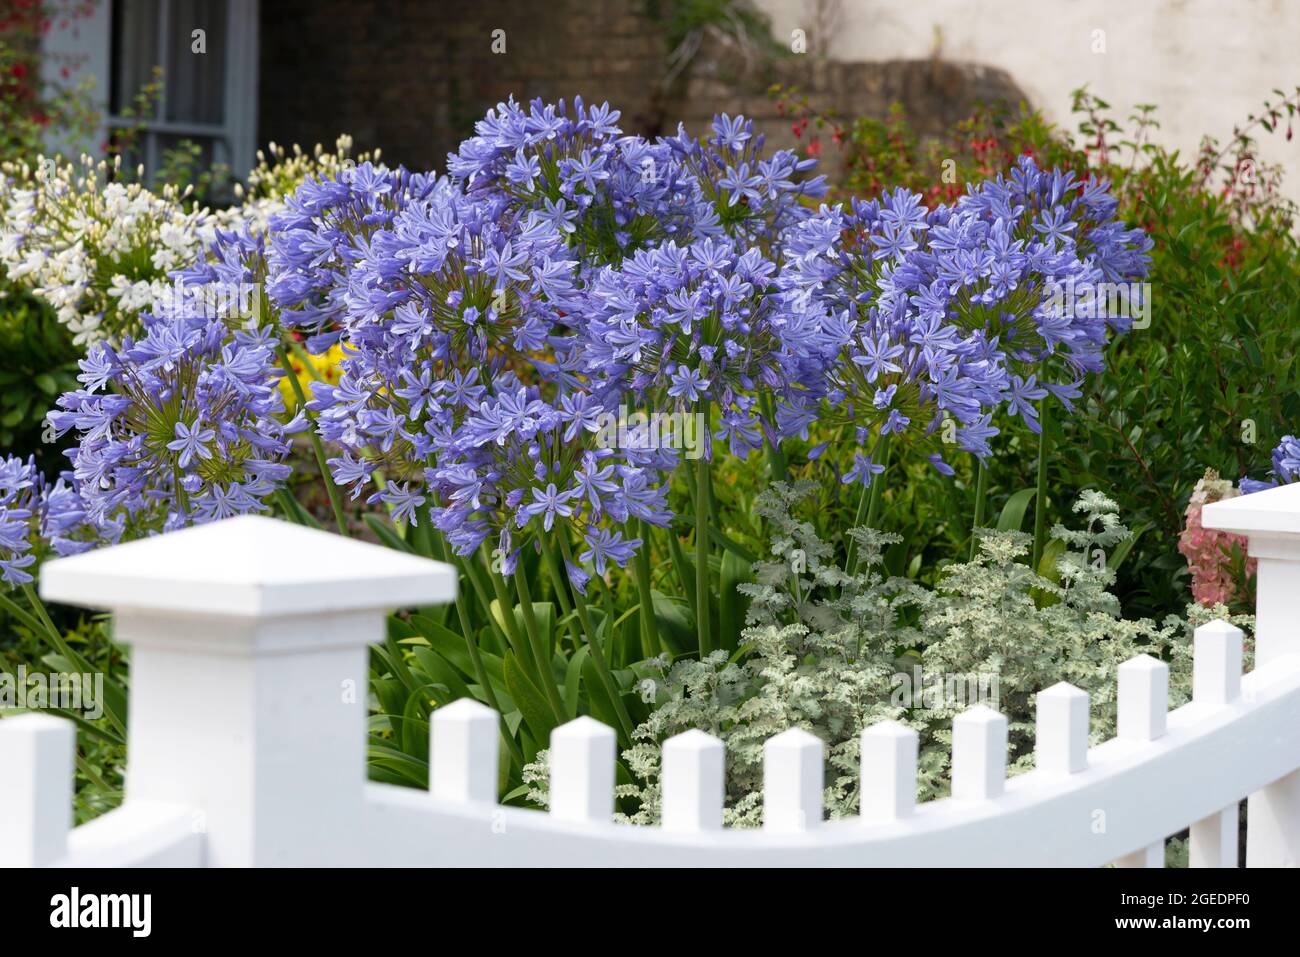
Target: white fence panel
247,739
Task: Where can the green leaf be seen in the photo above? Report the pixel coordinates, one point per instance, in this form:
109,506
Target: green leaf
573,680
1123,548
602,708
673,624
740,551
410,769
732,605
387,534
1013,513
528,699
442,671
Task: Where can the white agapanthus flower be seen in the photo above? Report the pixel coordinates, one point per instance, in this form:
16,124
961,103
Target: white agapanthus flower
101,251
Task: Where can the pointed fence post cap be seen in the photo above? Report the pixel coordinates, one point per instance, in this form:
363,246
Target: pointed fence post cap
980,714
247,567
694,740
795,739
1273,511
584,728
1063,690
889,728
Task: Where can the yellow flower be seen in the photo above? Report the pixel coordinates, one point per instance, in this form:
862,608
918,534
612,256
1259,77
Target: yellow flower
324,368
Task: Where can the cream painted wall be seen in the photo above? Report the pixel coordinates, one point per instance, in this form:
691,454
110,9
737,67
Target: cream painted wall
1206,64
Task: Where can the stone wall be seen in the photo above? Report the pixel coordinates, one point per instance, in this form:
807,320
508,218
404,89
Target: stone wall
935,93
411,76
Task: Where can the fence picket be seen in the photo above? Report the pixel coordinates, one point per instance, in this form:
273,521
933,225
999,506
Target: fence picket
463,752
1214,839
1216,668
1216,682
582,770
693,782
1061,736
792,781
888,768
36,796
1153,855
1143,699
979,754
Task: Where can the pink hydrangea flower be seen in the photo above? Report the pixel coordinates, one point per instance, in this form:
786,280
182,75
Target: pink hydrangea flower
1209,551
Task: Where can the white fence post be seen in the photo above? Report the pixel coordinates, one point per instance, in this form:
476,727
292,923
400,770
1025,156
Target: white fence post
1216,683
694,782
888,767
979,754
36,792
1271,522
793,765
249,675
1143,715
583,753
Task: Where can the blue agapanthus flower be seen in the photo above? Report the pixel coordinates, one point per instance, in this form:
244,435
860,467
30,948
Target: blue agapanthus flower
182,426
932,321
1285,470
35,512
463,382
568,165
324,230
677,325
739,190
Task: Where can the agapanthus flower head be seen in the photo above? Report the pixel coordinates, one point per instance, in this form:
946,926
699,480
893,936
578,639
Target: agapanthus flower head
568,165
739,190
462,383
325,228
181,426
35,513
1285,470
932,320
676,326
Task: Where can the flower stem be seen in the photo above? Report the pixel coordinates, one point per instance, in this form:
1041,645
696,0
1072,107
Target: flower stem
558,579
775,458
859,519
641,571
981,496
540,653
332,490
480,673
1040,494
506,607
480,588
61,646
878,486
47,624
702,628
597,653
679,565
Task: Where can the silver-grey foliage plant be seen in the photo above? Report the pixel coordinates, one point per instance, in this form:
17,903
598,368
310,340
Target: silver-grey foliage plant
834,652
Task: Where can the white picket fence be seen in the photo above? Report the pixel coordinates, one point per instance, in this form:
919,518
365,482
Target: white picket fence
247,740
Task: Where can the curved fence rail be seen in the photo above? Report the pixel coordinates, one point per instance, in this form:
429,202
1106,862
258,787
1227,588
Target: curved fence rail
247,739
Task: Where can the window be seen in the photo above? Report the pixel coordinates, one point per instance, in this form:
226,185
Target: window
209,80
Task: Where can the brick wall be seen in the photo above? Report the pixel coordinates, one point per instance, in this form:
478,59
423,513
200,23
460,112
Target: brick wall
411,76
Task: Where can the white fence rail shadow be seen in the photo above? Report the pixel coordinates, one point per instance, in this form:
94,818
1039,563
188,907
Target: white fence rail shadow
247,739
